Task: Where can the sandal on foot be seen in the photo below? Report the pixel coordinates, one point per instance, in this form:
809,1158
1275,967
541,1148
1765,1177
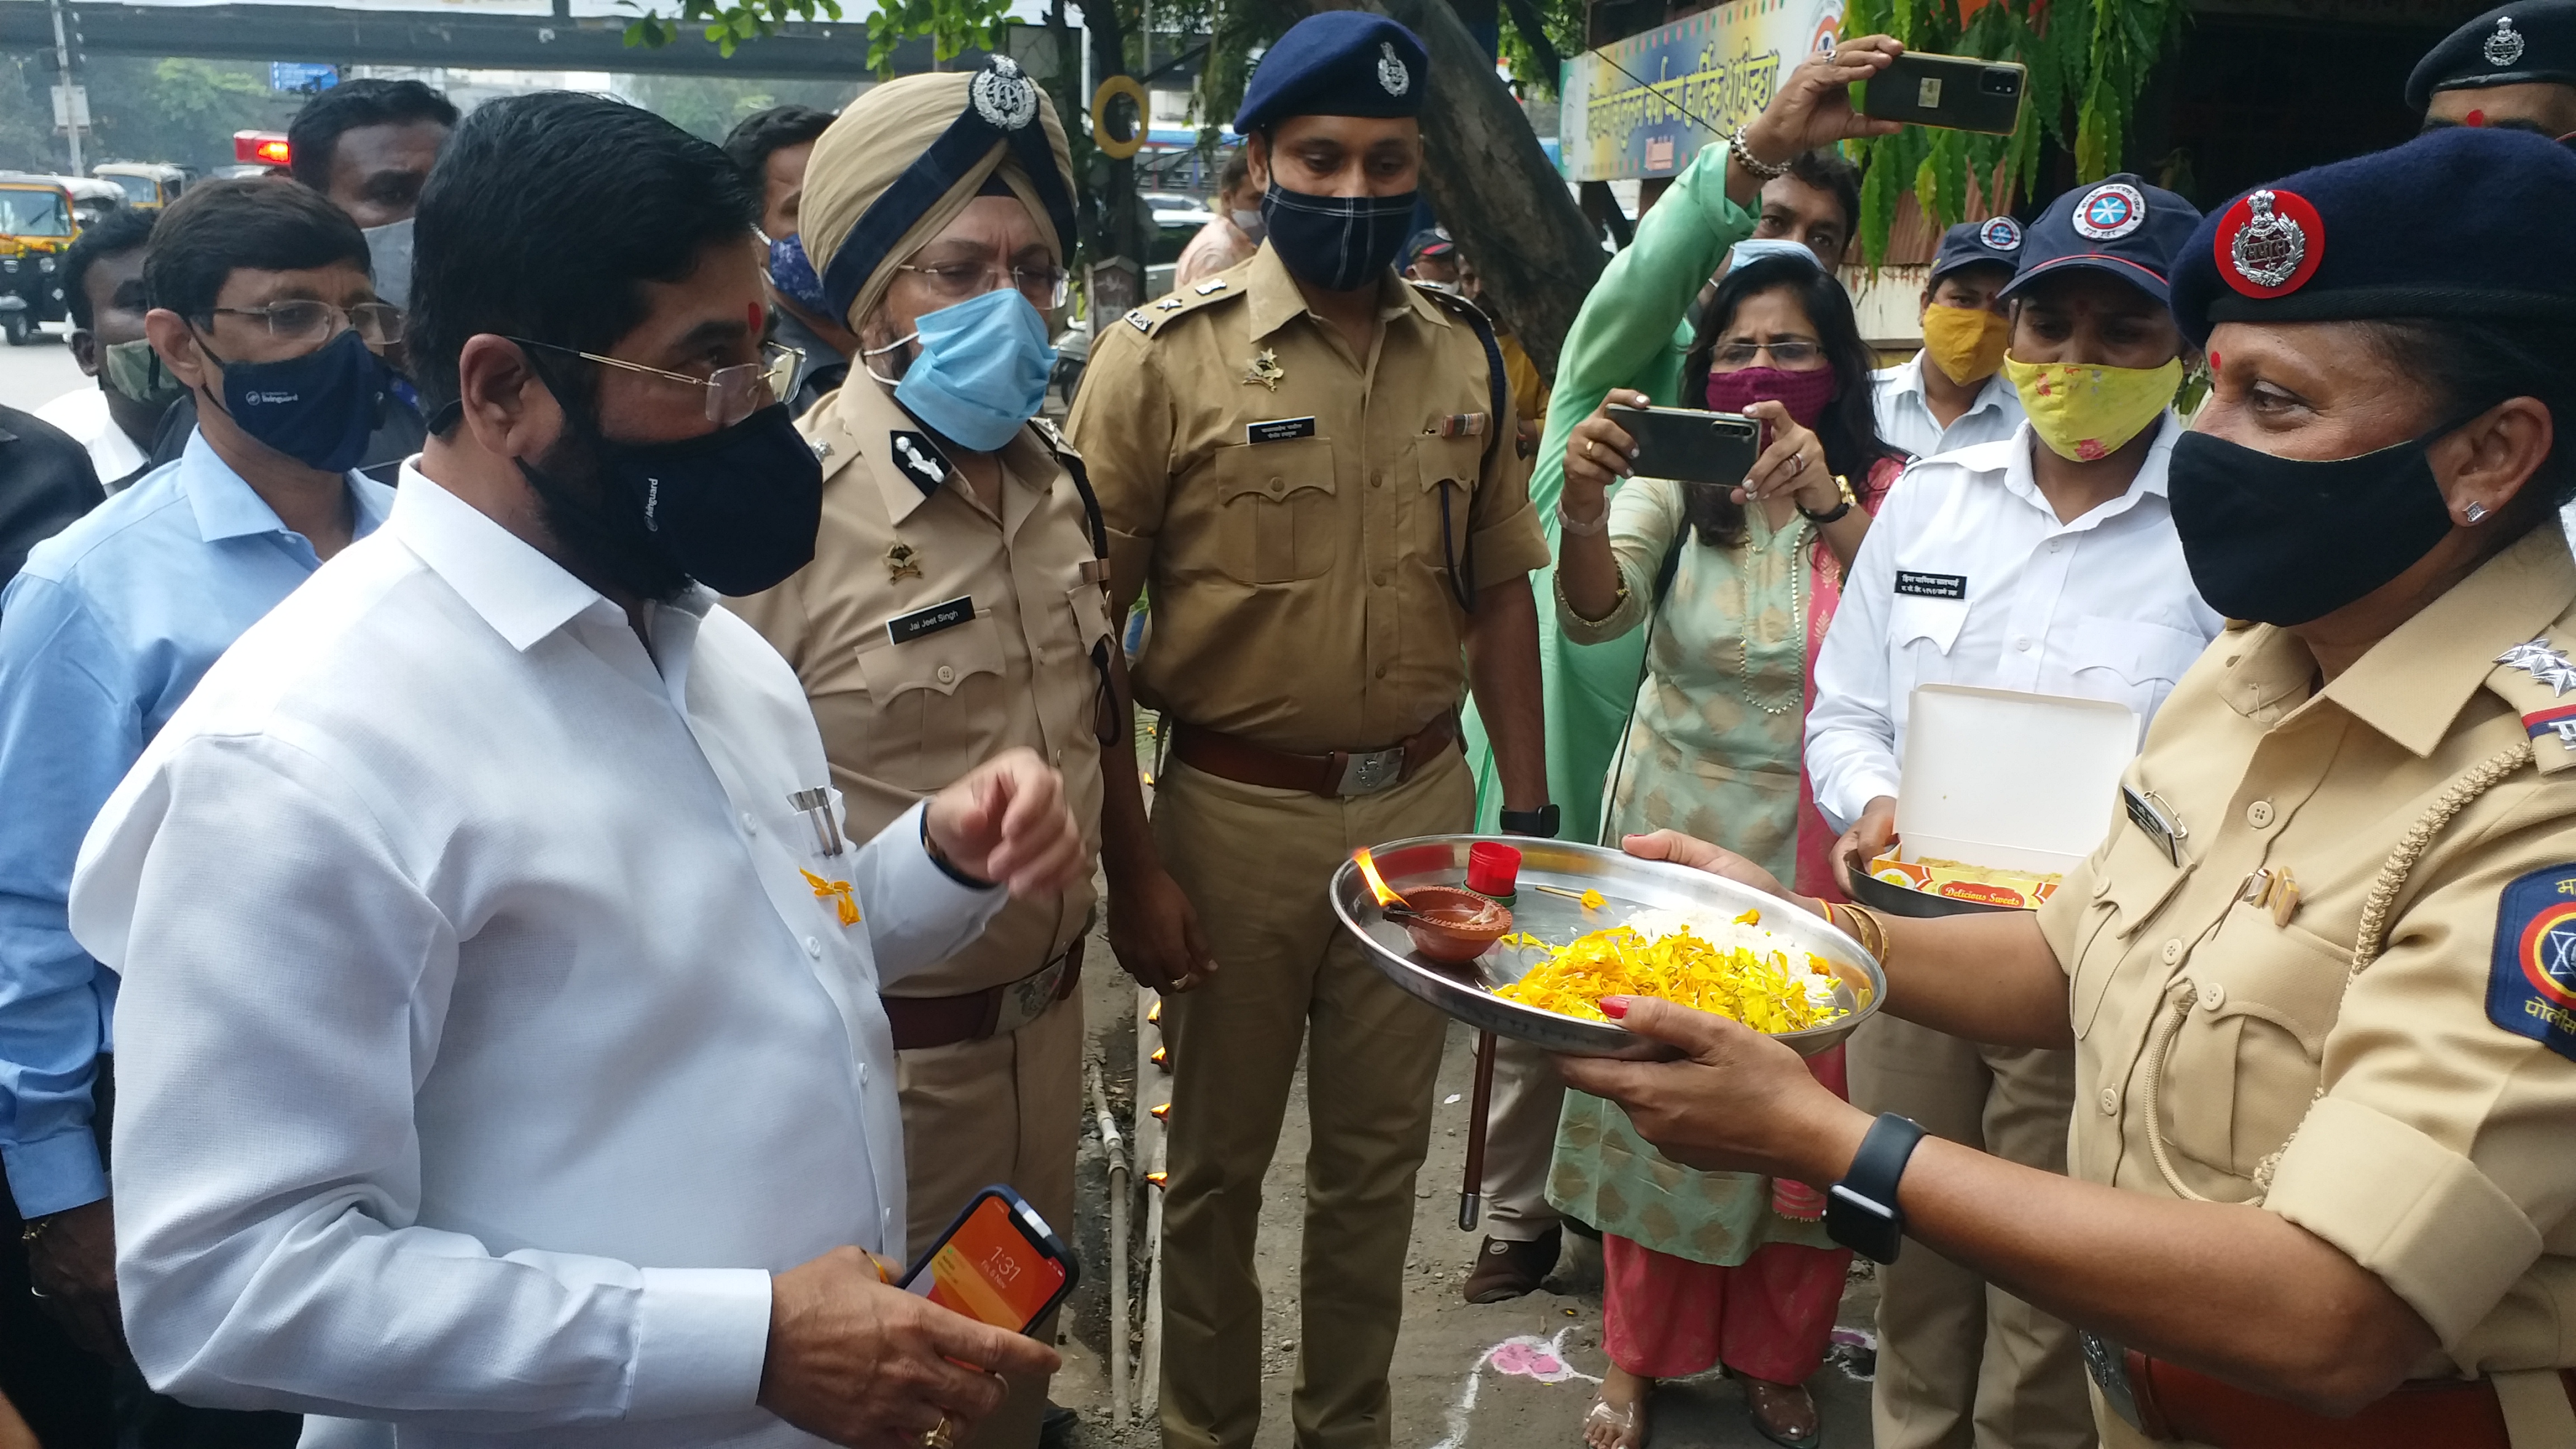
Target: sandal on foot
1627,1423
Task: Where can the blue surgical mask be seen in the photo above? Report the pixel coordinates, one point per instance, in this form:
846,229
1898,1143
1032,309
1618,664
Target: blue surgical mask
982,370
318,409
792,272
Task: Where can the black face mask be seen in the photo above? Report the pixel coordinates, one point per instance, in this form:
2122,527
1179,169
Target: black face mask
1338,243
2284,541
736,509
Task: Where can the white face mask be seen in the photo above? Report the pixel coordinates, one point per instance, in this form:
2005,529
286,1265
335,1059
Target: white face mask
1249,223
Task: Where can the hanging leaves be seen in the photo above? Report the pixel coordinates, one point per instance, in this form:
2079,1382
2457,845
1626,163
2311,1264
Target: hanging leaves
2087,61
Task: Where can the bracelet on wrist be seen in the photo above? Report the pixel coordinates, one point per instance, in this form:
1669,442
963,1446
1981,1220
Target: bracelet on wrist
947,867
1594,529
1765,170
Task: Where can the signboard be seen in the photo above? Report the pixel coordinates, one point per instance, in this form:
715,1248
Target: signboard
1647,104
71,107
296,75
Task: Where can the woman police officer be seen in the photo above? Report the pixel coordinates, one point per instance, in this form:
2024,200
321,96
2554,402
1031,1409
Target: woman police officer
2321,977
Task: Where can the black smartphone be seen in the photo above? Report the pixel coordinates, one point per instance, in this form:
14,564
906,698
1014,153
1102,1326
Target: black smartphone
1955,92
1690,445
998,1263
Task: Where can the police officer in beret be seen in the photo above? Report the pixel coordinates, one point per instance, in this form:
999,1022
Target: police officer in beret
2320,978
1953,393
954,608
1311,463
2514,66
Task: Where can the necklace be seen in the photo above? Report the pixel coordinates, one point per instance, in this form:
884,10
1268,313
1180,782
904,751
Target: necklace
1797,623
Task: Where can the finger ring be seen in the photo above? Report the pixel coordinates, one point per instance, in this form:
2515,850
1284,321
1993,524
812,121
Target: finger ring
1587,447
940,1436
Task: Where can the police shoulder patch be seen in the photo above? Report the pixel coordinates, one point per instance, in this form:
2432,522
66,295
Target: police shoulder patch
1150,318
2531,984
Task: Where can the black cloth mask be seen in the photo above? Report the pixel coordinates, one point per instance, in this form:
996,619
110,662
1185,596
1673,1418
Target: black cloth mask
2285,540
1338,243
318,409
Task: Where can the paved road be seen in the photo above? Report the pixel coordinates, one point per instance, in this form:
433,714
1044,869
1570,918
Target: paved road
37,373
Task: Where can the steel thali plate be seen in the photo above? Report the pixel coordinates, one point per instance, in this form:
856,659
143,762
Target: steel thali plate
1629,887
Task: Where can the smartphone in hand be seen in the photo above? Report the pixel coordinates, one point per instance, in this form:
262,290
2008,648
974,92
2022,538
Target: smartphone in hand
1954,92
998,1263
1690,445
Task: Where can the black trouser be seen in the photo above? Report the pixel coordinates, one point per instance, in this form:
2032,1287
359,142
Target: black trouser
76,1400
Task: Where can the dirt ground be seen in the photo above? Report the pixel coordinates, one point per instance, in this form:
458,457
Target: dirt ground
1452,1389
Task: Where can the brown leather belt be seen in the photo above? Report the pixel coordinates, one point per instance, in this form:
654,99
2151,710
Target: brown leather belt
1340,773
2167,1402
922,1022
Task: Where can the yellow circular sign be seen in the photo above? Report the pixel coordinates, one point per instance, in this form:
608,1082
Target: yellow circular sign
1132,89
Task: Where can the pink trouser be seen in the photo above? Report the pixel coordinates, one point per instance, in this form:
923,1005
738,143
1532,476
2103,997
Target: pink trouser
1770,1318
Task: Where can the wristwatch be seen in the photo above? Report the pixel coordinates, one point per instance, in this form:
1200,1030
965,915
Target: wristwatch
1540,822
1834,514
1861,1211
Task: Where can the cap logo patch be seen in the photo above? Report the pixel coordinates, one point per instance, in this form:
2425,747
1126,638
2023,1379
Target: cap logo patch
2269,243
2000,234
2110,211
2505,46
1003,94
1397,80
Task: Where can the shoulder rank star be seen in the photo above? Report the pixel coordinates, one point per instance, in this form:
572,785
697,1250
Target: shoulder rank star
835,891
2542,663
1264,370
902,563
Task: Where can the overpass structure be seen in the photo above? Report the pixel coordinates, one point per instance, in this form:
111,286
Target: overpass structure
499,37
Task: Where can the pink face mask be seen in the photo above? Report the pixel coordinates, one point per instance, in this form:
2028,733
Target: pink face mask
1804,394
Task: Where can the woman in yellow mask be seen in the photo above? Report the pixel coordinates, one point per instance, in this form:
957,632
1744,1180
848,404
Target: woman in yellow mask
2045,563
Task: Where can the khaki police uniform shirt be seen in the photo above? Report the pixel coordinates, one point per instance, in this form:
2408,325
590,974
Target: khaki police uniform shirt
931,635
2417,1110
1283,500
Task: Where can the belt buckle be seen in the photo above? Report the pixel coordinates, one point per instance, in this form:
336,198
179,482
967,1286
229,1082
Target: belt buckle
2108,1363
1367,772
1027,999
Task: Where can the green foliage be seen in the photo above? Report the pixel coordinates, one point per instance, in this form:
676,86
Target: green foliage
725,23
1564,21
2088,60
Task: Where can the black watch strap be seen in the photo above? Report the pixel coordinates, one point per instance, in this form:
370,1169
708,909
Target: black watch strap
1834,515
1861,1211
1541,823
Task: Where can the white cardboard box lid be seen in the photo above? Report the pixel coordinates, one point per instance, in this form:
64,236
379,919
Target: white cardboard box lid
2012,780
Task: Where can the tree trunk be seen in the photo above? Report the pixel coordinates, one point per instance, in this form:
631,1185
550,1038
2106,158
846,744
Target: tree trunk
1493,187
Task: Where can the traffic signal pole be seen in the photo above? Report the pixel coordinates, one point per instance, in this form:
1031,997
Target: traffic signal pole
63,65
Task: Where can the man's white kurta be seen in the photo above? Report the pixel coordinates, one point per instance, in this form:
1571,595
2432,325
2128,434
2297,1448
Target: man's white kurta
482,1046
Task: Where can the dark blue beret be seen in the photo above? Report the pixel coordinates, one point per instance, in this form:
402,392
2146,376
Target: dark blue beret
2510,45
2119,225
2350,240
1995,241
1337,63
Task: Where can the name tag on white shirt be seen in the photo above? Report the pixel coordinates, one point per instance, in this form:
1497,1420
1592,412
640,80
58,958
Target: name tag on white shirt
1931,586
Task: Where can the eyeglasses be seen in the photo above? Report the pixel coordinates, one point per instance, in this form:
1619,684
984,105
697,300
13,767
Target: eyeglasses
1789,352
1045,287
379,324
733,393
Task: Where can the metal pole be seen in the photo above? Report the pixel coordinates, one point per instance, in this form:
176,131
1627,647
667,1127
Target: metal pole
1114,1144
63,59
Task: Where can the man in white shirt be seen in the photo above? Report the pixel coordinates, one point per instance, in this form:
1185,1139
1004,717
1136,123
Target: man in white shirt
507,1059
2048,563
1953,394
117,413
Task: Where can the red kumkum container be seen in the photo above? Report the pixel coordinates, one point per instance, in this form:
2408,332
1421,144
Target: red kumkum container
1493,870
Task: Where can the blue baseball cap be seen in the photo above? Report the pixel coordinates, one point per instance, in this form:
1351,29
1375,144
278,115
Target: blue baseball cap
2119,225
1994,242
1337,63
2346,241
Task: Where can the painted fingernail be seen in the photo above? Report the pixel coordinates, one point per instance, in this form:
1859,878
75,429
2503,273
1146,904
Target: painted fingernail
1613,1007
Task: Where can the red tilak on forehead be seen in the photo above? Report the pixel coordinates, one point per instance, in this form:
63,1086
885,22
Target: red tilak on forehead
2477,118
2216,362
751,315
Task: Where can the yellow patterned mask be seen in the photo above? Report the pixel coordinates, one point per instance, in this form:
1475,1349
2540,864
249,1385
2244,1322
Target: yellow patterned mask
2082,411
1966,343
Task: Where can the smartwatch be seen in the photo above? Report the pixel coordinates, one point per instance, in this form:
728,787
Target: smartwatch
1861,1211
1540,822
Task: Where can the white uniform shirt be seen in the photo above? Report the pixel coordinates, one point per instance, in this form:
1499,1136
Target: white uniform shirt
482,1048
1968,577
1905,418
82,413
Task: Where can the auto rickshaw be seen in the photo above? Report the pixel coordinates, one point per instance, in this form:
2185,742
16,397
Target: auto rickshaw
145,183
92,200
35,227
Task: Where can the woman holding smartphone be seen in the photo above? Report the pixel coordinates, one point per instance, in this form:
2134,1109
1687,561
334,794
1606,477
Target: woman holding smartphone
1735,585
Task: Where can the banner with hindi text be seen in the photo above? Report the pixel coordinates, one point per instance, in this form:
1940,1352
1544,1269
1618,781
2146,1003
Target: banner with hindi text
1644,106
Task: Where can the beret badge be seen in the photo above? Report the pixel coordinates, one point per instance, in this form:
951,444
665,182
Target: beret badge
1004,95
2505,46
2270,242
1390,70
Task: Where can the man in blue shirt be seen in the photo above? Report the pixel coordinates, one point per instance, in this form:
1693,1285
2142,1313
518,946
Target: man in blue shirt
262,307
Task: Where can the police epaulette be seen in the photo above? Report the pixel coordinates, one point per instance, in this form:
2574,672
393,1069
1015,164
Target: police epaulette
2535,680
1154,314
